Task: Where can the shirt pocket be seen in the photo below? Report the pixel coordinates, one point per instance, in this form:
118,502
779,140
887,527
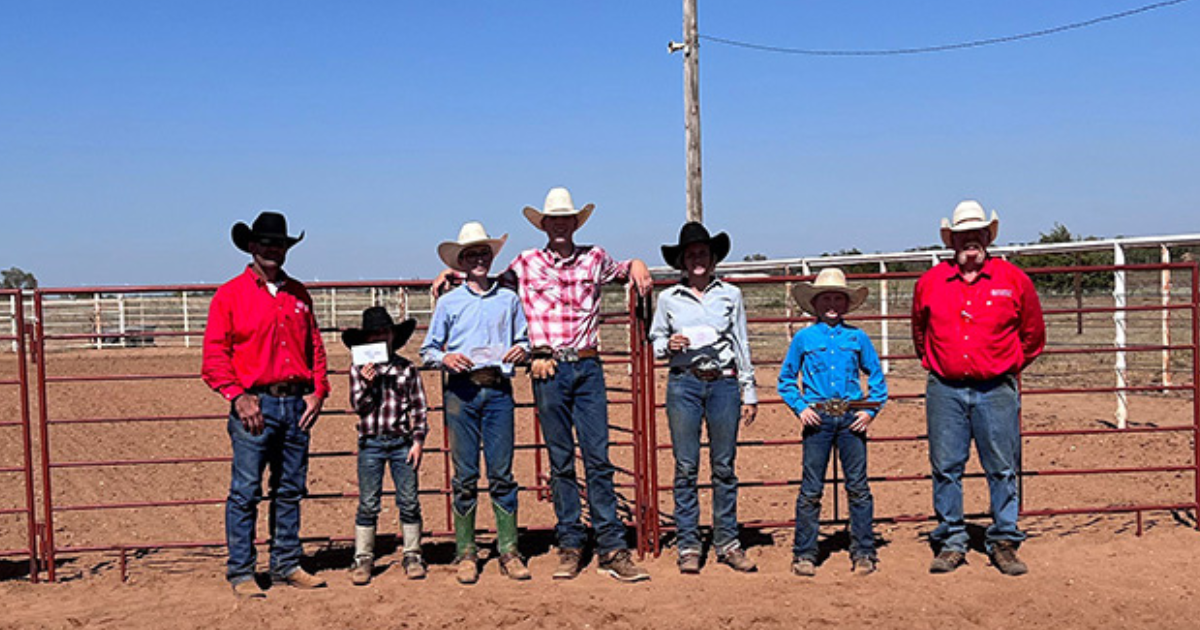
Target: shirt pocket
816,358
847,357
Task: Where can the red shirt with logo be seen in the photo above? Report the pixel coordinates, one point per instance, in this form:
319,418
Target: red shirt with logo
978,330
255,338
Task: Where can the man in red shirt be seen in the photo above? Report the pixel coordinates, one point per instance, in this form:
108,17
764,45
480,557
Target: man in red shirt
976,323
263,354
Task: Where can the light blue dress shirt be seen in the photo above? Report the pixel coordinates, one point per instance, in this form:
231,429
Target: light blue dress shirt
829,359
464,320
721,308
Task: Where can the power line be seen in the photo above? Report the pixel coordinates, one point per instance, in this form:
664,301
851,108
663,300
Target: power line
943,47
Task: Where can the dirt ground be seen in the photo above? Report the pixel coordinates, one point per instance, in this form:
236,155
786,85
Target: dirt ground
1086,571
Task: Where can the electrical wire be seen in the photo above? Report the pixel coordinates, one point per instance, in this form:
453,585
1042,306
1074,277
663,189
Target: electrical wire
942,47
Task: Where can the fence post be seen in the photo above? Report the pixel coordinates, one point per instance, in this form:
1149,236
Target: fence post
1166,317
885,338
332,307
98,318
12,311
26,432
121,317
47,525
187,339
1119,302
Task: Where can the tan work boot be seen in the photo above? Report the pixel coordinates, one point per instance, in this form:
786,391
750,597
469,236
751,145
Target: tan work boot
568,564
1004,556
947,561
689,562
737,560
248,589
468,569
619,564
302,579
511,565
804,567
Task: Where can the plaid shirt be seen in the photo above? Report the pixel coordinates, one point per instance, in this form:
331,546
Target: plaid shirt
561,296
393,404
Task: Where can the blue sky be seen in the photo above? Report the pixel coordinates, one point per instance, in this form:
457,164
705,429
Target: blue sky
134,134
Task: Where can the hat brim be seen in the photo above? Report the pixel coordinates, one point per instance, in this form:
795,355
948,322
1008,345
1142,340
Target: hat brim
448,251
719,245
401,333
242,234
536,216
804,293
993,228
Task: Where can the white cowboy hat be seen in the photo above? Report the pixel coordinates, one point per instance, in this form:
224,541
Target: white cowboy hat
969,215
558,204
830,279
471,234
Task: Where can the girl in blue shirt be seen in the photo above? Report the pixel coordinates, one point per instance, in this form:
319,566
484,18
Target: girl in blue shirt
828,357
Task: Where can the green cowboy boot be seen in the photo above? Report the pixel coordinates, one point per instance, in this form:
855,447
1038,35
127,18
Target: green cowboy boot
467,554
506,543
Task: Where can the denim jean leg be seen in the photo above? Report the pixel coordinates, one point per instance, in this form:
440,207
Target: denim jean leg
591,423
250,455
498,444
553,399
370,480
404,478
947,416
996,426
462,422
685,411
723,412
290,486
817,444
852,448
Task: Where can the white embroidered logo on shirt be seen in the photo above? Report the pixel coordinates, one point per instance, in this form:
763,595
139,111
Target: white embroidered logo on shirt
1002,292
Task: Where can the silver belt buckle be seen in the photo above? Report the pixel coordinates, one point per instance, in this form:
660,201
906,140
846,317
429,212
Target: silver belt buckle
566,353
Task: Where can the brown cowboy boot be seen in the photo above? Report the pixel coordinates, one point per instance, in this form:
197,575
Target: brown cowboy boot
506,543
364,556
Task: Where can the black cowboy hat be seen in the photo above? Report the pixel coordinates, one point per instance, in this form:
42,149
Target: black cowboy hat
268,225
375,319
693,232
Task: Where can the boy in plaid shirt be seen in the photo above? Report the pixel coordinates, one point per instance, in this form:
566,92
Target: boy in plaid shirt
390,402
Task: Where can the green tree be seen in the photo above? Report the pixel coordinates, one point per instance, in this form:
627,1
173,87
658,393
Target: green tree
1062,282
15,278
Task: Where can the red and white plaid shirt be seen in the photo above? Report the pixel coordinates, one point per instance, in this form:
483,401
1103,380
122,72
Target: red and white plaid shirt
561,296
394,403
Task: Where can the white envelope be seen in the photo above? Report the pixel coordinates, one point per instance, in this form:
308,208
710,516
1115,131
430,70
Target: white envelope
700,336
369,353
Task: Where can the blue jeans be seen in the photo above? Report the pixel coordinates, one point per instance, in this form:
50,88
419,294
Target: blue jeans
475,414
375,452
575,397
852,449
690,401
988,411
283,447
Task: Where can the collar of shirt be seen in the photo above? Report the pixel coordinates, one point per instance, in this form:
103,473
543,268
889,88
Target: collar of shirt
683,288
261,282
984,272
491,290
563,261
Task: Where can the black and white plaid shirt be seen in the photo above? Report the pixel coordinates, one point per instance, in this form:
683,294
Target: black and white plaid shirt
393,404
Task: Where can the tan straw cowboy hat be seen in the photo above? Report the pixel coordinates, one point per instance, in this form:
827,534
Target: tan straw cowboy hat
969,215
558,204
471,234
830,279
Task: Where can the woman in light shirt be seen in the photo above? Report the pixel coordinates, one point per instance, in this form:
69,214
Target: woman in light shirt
700,325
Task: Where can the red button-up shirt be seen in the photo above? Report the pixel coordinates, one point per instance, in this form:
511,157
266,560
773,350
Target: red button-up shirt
253,338
977,331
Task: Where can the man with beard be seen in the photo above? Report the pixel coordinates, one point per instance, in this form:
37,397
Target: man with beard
976,324
263,354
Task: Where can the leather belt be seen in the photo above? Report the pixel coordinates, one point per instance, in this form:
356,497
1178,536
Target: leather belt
840,406
706,374
490,376
285,389
565,354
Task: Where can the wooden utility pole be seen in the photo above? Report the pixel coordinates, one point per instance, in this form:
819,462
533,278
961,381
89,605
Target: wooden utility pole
691,108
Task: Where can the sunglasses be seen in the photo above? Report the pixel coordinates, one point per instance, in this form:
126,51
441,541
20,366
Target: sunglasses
267,241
